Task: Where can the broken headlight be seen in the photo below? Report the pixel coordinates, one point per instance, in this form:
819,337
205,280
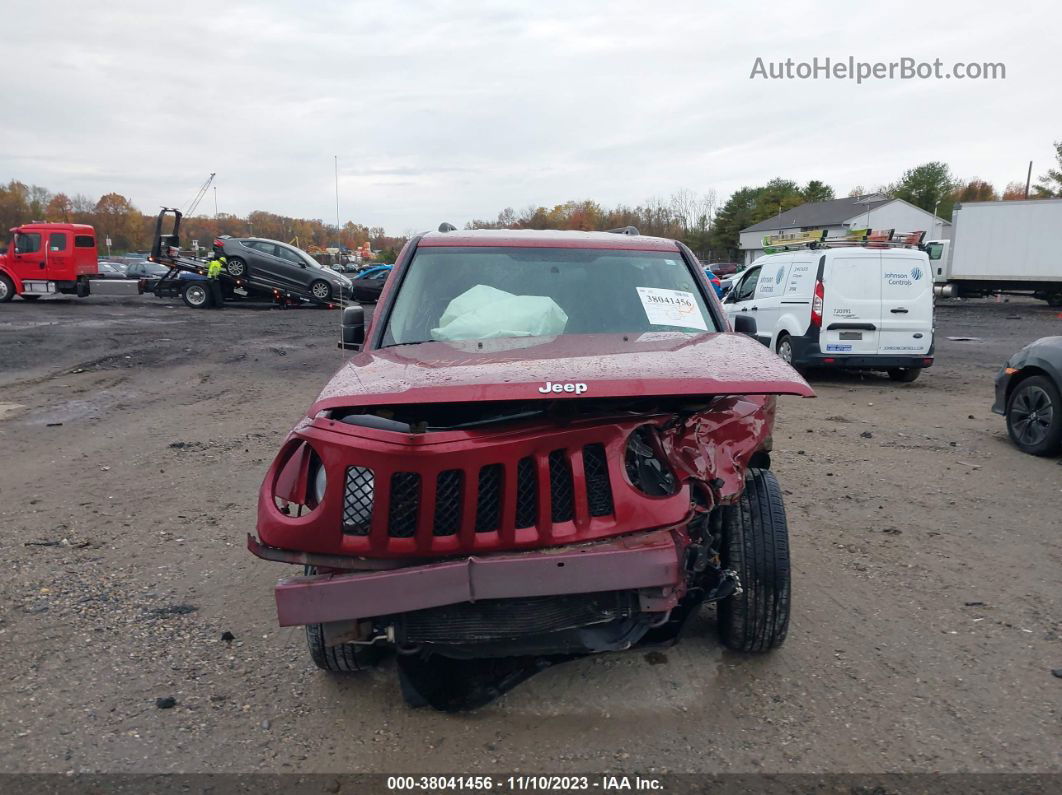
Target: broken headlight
316,480
646,469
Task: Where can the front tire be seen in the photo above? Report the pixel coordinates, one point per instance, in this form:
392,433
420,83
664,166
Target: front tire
345,659
905,375
756,547
236,267
321,290
1034,416
196,295
7,289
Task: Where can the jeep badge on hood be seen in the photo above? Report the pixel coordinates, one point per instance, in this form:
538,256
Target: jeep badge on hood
569,387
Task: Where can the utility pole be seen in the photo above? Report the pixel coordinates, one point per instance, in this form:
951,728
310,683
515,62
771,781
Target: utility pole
1028,179
337,193
215,202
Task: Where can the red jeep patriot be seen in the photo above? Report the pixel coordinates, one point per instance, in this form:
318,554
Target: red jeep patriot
550,443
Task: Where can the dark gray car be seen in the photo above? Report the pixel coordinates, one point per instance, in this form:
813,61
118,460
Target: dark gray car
270,263
1029,395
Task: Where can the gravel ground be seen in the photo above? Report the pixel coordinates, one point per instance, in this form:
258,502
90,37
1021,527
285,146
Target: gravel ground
135,433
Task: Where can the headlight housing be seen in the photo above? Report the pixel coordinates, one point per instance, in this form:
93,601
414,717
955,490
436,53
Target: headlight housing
646,469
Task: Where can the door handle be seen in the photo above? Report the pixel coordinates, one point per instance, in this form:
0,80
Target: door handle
899,311
755,308
41,264
744,309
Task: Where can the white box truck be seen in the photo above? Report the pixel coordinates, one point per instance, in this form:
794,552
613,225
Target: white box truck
1001,247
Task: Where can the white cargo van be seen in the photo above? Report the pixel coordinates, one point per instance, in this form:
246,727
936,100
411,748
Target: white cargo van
852,306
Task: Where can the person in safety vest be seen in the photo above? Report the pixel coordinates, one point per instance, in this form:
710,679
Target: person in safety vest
214,268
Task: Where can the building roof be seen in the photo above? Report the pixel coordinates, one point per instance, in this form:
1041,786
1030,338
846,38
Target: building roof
825,213
547,238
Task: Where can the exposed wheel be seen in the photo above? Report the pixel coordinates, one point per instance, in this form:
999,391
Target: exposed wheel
236,267
321,290
344,659
1034,416
7,289
1054,299
905,374
29,297
195,295
784,348
756,546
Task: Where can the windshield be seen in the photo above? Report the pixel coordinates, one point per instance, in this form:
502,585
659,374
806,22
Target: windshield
478,293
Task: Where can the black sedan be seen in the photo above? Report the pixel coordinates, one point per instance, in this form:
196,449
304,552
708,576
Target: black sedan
1029,395
270,263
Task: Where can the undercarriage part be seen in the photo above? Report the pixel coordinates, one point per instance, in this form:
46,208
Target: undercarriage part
506,619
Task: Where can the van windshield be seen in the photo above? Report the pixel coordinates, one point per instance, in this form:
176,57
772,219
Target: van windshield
477,293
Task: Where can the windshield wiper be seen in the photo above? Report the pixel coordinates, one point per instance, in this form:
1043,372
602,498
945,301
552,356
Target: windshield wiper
400,344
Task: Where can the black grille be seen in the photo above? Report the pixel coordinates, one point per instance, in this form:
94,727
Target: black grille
598,487
405,504
357,501
526,493
498,619
449,488
488,503
560,486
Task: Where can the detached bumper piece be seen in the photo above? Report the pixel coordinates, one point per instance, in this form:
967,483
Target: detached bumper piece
647,560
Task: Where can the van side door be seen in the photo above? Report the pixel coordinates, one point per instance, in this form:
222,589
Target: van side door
768,297
742,297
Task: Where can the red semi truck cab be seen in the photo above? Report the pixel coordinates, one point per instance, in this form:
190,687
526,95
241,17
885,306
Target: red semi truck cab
44,258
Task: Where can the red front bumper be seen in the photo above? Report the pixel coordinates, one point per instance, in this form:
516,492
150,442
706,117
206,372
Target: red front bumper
645,560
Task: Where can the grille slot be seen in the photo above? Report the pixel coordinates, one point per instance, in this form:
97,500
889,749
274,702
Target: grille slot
405,504
357,501
449,488
488,503
560,486
598,486
526,493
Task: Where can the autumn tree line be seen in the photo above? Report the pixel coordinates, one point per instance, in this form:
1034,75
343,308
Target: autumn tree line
709,227
114,216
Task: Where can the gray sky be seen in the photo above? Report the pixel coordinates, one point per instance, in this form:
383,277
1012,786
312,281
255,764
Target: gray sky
455,110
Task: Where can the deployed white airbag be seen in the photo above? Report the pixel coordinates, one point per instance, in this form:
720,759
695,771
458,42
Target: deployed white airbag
484,312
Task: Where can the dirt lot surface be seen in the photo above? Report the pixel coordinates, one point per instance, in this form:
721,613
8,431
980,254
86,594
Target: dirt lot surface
135,432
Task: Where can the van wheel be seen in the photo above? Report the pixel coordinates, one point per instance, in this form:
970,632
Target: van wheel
236,267
905,374
346,659
1034,416
784,348
7,289
756,547
195,295
321,290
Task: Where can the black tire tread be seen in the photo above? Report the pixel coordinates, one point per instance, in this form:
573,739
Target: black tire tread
756,546
905,375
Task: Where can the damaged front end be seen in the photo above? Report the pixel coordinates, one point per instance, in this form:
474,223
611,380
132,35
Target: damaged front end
549,527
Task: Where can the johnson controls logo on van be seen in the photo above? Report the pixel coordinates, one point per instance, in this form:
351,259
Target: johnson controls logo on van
902,278
916,273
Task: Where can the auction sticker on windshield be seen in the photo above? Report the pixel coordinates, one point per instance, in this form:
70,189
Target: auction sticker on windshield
671,308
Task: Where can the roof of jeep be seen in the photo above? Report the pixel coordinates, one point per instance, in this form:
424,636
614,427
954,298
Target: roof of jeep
548,238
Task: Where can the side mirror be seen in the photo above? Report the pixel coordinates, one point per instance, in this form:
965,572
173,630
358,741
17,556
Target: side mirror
353,325
743,324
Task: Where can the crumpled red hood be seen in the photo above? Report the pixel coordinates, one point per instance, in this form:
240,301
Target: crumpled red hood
609,365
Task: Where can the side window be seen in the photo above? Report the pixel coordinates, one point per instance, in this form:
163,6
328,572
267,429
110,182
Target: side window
289,255
57,241
84,241
748,285
934,250
28,243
